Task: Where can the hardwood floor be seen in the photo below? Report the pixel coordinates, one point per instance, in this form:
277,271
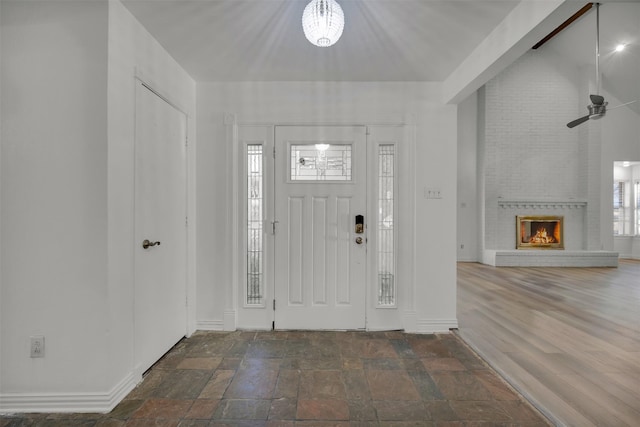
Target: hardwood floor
567,338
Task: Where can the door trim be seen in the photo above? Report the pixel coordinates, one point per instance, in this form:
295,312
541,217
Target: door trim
400,317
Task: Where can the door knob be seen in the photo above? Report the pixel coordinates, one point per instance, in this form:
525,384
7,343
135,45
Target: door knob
359,240
146,243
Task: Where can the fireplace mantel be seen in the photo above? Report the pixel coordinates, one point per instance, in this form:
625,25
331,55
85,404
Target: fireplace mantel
541,204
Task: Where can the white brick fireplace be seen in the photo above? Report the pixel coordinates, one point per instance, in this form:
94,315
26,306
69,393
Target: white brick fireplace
530,163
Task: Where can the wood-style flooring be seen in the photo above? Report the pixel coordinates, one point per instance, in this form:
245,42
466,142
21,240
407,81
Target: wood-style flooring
567,338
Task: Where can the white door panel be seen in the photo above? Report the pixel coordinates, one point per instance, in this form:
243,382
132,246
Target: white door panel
160,215
320,270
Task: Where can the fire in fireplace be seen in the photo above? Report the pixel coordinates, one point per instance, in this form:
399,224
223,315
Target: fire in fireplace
539,232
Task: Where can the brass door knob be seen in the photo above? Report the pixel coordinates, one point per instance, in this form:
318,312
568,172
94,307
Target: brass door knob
359,240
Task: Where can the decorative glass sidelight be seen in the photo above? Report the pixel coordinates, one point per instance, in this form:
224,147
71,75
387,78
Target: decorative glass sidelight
385,229
321,162
637,210
255,206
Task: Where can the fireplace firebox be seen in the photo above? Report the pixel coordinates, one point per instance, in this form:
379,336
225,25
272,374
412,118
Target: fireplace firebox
539,232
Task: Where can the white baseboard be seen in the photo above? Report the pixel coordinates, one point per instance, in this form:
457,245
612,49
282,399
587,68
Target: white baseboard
409,321
433,326
230,320
68,402
210,325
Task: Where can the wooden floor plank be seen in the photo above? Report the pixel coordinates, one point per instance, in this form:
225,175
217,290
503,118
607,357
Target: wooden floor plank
553,406
567,338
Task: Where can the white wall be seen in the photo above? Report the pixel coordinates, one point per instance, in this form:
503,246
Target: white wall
67,79
355,103
54,195
1,198
621,141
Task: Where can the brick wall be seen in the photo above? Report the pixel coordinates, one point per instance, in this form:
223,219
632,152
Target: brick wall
530,154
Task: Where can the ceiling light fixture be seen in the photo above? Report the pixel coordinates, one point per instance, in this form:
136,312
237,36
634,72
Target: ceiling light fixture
620,47
323,22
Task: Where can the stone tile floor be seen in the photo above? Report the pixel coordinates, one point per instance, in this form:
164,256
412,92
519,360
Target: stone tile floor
300,378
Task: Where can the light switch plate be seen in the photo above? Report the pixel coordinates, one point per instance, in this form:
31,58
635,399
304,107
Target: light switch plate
432,193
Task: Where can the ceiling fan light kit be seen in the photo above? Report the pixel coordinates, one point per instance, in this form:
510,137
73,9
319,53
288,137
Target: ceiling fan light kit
323,22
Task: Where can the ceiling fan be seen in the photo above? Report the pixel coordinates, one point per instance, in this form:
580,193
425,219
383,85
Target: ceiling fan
598,107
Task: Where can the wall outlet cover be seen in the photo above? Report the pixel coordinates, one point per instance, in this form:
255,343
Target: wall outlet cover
37,346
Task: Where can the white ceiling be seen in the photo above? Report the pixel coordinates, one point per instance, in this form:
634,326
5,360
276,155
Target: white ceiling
262,40
383,40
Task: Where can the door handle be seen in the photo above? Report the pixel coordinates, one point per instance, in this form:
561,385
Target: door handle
146,243
359,240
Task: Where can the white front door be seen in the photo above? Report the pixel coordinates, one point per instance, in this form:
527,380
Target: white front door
320,257
160,217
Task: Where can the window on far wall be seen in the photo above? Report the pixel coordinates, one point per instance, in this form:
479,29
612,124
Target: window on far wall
619,205
637,207
626,198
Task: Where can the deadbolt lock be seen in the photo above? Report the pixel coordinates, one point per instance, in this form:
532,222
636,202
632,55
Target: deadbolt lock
359,224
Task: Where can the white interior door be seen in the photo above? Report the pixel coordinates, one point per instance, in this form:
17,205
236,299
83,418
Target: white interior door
320,259
160,216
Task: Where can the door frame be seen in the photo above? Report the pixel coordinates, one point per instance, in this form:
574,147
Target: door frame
189,230
402,315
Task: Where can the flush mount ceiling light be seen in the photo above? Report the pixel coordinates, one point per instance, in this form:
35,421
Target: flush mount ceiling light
323,22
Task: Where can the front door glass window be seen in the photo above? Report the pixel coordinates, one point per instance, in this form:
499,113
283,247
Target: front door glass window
320,162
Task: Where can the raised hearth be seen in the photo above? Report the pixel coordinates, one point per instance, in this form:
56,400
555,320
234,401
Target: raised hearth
519,258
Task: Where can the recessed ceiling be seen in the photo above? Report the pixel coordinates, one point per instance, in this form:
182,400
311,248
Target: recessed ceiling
262,40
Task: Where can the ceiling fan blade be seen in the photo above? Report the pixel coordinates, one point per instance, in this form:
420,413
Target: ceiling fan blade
597,99
576,122
622,105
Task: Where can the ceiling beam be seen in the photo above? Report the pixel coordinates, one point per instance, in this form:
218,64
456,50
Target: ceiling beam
564,25
527,23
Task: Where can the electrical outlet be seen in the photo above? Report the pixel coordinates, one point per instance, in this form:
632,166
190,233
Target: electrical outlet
37,346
